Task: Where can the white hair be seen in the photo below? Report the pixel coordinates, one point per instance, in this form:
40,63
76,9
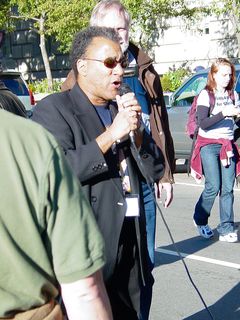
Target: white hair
103,7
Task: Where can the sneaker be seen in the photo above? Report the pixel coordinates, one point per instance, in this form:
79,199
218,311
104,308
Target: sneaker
229,237
204,231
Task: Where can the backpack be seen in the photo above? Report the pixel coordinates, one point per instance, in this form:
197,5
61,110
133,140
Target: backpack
192,125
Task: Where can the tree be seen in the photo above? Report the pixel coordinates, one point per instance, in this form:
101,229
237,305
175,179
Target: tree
4,7
61,19
58,18
231,10
151,17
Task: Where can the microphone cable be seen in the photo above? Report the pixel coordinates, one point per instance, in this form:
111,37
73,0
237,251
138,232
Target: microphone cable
150,181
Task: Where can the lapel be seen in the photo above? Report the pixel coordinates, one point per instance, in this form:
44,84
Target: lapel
85,113
87,117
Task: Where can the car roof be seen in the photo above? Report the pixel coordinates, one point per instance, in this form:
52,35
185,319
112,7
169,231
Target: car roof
10,72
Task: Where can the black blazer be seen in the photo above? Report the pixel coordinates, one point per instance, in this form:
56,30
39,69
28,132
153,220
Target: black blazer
73,120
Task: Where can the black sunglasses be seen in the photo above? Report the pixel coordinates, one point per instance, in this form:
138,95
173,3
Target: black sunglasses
112,62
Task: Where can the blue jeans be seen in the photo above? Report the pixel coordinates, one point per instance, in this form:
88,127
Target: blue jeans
218,180
150,214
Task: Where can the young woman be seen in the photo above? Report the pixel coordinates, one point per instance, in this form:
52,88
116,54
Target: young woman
215,154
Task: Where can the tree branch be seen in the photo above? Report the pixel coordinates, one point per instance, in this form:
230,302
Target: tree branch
24,18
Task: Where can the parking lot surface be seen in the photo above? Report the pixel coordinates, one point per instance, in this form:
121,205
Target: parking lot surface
213,265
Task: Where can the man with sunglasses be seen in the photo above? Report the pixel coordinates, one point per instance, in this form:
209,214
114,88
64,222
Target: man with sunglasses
144,82
92,123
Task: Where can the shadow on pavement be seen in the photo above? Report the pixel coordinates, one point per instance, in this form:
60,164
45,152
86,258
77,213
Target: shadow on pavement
189,246
181,168
228,305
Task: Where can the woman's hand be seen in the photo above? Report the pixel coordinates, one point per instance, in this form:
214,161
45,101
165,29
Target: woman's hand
230,111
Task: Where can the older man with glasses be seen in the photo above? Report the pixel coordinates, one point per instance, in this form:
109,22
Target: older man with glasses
92,123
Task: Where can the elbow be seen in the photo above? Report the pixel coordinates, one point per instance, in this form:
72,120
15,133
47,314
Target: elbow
93,288
84,290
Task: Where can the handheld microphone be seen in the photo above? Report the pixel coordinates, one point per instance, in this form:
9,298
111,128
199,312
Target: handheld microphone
124,89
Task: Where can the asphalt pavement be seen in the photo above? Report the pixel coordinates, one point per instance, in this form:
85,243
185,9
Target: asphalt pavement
214,266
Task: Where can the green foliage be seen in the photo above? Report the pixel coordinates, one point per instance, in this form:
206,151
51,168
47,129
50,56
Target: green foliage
60,18
174,78
41,86
230,9
151,17
227,6
4,13
67,18
63,18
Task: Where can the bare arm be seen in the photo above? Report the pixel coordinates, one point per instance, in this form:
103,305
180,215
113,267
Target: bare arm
87,299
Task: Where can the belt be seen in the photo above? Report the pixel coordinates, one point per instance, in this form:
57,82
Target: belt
48,311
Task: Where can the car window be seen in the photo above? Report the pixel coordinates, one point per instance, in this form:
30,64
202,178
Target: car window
15,84
185,95
237,87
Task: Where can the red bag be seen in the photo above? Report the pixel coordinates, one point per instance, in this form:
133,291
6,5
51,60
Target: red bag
192,125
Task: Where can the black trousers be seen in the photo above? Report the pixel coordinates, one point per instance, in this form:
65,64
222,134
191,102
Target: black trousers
124,286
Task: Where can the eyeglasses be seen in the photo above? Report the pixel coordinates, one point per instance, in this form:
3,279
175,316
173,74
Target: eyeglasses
111,63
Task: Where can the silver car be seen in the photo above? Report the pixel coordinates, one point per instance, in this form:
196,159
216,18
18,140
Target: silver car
180,103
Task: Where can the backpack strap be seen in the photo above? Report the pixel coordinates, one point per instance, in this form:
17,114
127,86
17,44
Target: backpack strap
211,107
231,95
212,100
191,152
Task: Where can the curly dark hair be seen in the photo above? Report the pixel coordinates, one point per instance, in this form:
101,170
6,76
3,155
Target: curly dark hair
84,38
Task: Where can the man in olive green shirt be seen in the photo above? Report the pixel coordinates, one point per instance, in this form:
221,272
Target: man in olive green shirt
49,237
